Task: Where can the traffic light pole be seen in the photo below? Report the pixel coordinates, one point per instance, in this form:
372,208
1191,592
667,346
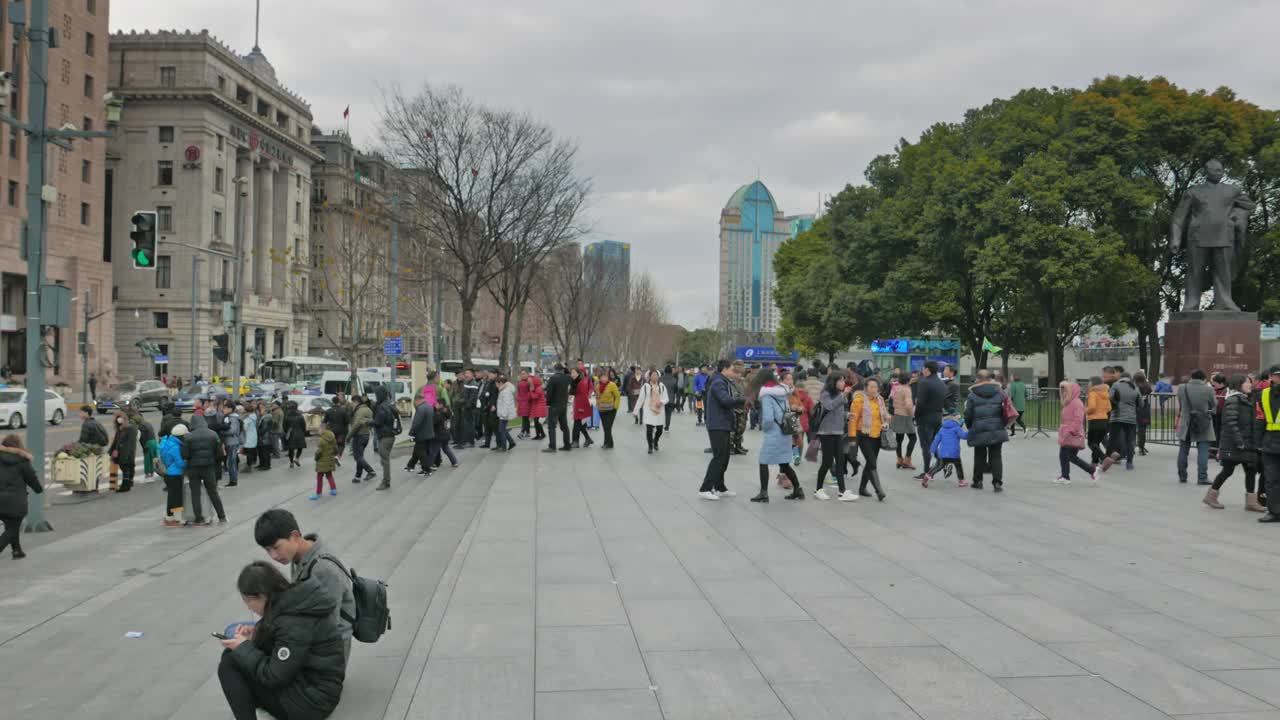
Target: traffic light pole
84,346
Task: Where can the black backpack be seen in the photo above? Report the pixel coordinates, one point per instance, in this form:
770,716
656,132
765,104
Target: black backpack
373,615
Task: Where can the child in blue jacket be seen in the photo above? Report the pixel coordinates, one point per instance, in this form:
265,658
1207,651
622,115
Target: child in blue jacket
946,451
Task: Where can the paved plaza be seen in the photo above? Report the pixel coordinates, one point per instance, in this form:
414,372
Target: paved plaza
597,585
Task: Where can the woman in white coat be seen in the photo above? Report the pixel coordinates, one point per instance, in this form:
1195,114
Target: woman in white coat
650,408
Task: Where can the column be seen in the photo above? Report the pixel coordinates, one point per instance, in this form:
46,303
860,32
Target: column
244,196
281,218
263,207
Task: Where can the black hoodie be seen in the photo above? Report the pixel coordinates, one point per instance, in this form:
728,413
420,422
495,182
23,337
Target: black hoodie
16,475
384,415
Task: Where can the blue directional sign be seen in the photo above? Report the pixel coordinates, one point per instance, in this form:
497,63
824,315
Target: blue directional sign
392,343
764,354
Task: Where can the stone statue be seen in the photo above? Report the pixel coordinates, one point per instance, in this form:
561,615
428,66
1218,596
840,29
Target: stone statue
1214,216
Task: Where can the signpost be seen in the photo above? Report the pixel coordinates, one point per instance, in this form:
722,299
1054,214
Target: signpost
392,343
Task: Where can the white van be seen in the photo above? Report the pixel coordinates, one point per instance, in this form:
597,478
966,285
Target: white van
332,382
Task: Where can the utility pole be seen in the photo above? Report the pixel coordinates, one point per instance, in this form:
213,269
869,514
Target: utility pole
195,308
38,36
394,285
237,328
89,317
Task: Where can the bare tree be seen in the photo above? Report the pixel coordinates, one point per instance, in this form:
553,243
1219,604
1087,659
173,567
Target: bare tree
572,307
639,332
466,175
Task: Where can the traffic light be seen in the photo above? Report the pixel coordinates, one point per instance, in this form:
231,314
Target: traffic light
144,239
221,347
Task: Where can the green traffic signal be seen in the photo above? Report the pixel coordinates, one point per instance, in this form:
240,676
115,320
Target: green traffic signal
141,259
144,239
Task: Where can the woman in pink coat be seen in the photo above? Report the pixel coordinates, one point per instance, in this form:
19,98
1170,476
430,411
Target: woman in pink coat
581,407
537,405
1071,435
522,403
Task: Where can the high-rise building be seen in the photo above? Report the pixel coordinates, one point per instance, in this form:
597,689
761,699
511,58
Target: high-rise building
751,228
214,144
800,223
78,245
607,265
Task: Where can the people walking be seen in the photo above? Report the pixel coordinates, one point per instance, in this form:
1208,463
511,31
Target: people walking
123,449
946,451
740,412
266,436
295,434
1072,436
326,461
904,425
93,387
651,409
1269,446
720,405
249,420
801,406
984,418
931,395
1018,396
557,395
440,444
1144,409
537,405
338,418
386,425
506,413
868,420
175,468
633,385
1196,405
775,449
16,475
147,440
202,450
1097,413
608,398
232,435
699,391
831,422
522,403
670,383
361,424
581,390
1237,446
1125,398
422,432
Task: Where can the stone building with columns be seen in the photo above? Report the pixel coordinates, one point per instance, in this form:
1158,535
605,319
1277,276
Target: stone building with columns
221,151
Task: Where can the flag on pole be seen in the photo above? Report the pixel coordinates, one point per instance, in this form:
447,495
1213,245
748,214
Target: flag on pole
346,113
989,347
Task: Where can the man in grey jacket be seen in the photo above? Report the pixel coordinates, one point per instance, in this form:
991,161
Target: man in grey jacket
1124,421
310,563
422,432
1196,403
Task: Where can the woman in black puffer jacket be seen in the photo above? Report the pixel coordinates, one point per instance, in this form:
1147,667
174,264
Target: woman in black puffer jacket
984,416
1237,445
292,663
16,475
295,434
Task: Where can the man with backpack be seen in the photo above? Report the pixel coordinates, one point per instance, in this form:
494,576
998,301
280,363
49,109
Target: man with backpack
386,425
1196,404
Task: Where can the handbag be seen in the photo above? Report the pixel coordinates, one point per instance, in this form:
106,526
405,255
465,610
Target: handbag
1008,411
813,450
888,438
790,423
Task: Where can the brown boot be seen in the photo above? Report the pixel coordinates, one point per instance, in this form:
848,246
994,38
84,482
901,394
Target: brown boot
1211,499
1251,503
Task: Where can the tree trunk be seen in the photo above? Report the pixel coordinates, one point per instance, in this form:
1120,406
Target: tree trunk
506,339
468,303
1053,351
517,338
1157,353
1004,364
1142,346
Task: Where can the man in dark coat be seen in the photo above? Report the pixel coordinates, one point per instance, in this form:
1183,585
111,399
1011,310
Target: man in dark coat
720,406
422,430
557,405
468,392
984,416
931,394
488,409
91,431
202,449
386,423
338,418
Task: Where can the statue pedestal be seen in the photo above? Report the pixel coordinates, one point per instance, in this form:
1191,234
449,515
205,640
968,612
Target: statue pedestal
1226,342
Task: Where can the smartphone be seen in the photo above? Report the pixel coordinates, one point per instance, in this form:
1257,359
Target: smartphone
219,635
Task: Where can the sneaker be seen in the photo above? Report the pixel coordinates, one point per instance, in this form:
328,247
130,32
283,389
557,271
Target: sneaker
1094,477
1061,481
727,493
849,496
333,493
822,494
170,522
706,495
962,483
1107,462
222,521
313,497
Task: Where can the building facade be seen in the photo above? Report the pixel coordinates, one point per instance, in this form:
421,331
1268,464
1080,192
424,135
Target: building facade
78,248
221,151
607,265
751,229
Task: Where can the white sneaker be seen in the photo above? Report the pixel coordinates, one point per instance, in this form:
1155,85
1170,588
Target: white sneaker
1061,481
726,493
849,496
708,496
1094,476
822,494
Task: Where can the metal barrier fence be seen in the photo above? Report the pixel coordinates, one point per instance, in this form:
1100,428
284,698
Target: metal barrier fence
1044,414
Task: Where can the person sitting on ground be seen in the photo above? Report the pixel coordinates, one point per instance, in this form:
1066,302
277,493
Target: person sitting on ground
291,663
310,562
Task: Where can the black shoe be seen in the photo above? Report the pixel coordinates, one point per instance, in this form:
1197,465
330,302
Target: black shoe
545,450
512,446
499,449
1182,480
1269,518
650,449
566,448
796,494
232,484
18,554
921,475
355,479
762,497
997,488
863,492
1203,482
383,486
485,446
977,485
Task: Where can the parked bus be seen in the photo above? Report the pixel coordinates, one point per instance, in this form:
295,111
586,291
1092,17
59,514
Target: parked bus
296,369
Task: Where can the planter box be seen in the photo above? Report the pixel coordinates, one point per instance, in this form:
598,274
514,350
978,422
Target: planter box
81,474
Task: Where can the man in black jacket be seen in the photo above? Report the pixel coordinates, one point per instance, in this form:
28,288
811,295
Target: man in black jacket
557,404
385,427
91,431
488,409
951,405
202,449
931,396
422,430
468,392
338,418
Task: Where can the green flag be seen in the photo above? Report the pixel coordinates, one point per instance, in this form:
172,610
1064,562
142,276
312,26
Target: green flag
993,349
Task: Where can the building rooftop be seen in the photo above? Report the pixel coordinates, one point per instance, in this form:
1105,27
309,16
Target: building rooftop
755,191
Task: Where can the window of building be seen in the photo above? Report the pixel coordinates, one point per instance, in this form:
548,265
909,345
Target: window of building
86,171
164,265
219,178
84,213
164,172
166,133
88,44
13,137
282,120
164,218
88,86
242,94
87,125
222,84
13,193
297,181
219,142
264,108
217,224
168,76
297,212
317,255
160,320
91,6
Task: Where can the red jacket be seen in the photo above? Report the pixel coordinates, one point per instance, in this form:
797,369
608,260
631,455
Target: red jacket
522,398
537,398
582,399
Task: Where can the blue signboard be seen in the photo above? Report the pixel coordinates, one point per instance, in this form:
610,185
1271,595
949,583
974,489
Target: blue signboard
896,347
914,346
763,354
393,345
158,359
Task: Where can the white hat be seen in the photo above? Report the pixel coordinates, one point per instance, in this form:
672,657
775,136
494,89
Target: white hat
178,430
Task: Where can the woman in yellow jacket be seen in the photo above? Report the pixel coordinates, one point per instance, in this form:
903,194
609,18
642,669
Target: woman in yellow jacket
1096,413
607,400
868,417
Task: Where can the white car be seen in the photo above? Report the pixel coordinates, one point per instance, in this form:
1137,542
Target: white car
13,407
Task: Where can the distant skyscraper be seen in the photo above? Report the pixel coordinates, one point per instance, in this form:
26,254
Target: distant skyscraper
607,264
751,228
800,223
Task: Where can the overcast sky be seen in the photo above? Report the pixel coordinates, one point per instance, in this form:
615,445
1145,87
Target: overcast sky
676,103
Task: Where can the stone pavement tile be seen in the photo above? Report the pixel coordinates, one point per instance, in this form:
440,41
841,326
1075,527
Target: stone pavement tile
485,631
1264,715
599,705
862,697
501,553
479,585
565,520
995,649
678,624
795,652
1081,698
859,563
647,551
916,598
567,541
809,578
588,658
468,689
1040,620
961,580
712,684
642,583
1262,684
940,686
573,568
1167,685
1079,597
863,622
579,604
751,599
1268,644
1188,645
